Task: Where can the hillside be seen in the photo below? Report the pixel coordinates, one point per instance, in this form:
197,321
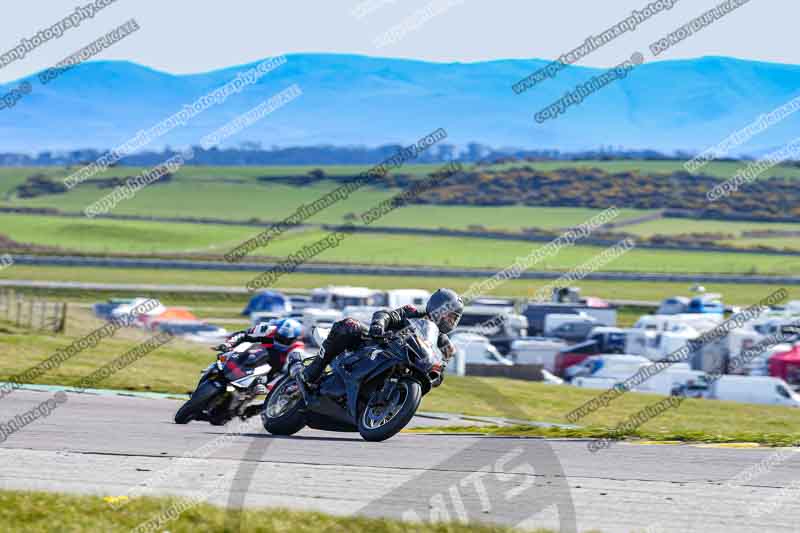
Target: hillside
370,101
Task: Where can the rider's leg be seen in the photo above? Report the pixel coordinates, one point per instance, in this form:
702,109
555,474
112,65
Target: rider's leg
345,335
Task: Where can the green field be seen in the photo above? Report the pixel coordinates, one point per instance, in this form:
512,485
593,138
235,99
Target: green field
497,254
214,198
736,294
112,236
677,226
234,193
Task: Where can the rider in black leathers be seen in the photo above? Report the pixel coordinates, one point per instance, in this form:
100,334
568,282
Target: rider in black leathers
444,308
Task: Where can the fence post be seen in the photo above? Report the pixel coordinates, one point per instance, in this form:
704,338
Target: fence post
8,304
43,306
62,324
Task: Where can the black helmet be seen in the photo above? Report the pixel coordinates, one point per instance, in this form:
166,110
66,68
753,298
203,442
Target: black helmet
445,308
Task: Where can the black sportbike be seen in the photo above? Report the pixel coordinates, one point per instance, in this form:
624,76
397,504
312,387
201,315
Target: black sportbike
227,387
374,390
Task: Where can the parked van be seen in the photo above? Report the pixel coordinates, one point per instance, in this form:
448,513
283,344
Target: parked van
674,378
619,367
400,297
537,351
656,345
362,313
554,320
319,318
615,366
271,303
575,330
339,297
699,322
472,349
601,340
591,382
501,325
673,306
537,312
754,389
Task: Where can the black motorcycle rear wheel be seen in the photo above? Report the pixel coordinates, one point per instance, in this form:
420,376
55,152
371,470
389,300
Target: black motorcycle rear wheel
380,422
283,408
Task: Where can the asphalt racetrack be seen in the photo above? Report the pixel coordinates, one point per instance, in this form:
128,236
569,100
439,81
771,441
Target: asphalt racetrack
117,445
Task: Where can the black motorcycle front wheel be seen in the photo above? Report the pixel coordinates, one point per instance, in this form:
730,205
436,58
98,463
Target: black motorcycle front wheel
379,422
195,405
282,413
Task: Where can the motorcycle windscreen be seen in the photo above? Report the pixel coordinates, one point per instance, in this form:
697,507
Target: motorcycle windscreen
424,352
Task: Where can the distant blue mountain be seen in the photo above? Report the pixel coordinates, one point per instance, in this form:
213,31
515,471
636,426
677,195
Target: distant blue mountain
358,100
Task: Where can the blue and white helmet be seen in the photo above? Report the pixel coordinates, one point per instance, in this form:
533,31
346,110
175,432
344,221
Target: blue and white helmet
287,331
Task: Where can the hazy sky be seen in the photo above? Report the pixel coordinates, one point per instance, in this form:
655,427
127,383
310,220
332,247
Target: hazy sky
182,36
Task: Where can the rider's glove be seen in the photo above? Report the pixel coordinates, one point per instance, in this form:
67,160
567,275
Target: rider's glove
224,347
448,350
376,331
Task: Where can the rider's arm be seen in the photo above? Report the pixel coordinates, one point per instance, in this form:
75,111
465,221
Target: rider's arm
257,333
383,321
446,346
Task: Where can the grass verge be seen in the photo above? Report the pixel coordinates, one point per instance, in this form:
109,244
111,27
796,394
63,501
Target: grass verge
39,512
764,439
693,420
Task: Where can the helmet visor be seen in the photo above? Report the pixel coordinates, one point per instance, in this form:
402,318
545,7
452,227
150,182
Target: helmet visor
280,340
449,321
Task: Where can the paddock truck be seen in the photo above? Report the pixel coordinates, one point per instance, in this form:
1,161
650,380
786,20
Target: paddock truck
227,388
375,389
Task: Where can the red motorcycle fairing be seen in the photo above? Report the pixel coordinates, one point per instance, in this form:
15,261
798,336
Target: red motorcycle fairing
233,371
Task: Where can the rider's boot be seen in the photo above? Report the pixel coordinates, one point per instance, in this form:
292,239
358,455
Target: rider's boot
312,373
252,410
